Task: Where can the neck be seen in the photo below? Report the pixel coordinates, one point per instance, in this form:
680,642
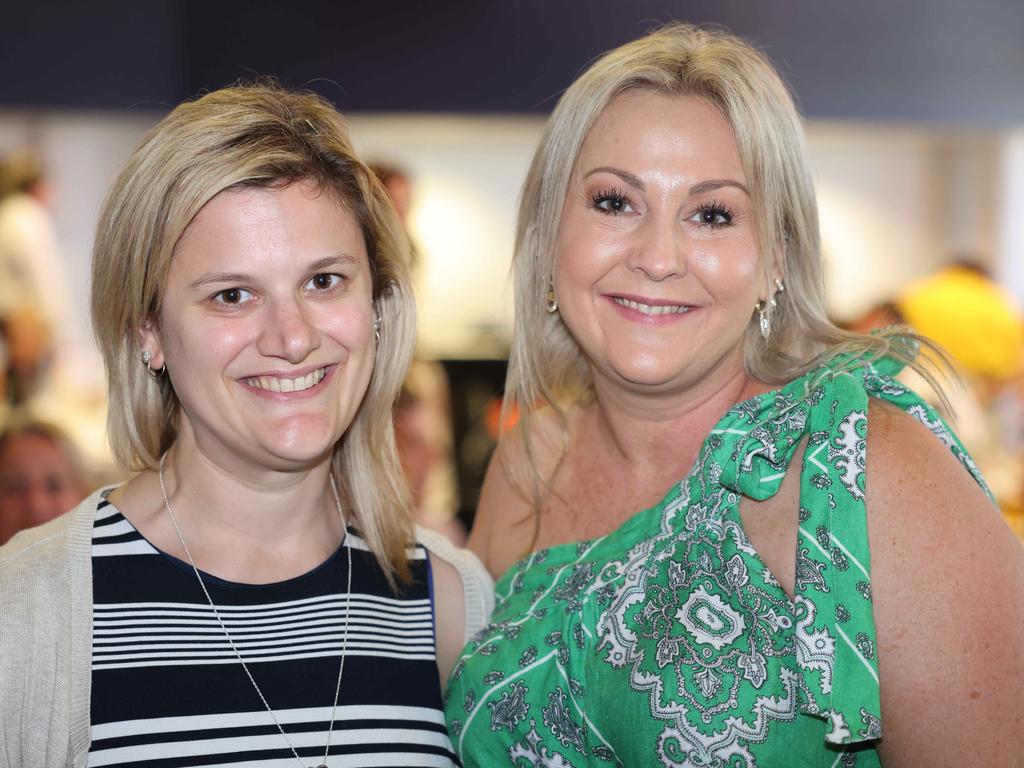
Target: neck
659,435
252,527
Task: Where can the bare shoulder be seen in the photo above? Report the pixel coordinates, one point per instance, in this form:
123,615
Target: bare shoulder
948,587
900,448
504,526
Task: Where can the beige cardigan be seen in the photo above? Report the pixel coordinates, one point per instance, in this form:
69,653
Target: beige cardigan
46,635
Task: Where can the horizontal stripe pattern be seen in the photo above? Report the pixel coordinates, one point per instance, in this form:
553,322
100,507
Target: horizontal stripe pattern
254,732
168,691
144,634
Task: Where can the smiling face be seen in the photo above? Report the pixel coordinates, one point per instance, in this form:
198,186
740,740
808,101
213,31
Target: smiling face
657,263
266,326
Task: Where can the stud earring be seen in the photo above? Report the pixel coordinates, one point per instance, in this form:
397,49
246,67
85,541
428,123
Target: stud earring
552,303
147,358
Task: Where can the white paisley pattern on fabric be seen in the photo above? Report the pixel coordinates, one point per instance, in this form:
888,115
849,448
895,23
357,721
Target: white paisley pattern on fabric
668,642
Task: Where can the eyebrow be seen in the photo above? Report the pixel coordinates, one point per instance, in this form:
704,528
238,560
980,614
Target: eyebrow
697,189
631,179
341,259
712,184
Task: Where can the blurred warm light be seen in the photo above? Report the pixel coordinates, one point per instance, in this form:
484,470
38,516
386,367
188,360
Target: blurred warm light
464,274
465,173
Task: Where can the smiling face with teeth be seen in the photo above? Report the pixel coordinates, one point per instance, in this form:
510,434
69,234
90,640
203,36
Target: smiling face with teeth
266,327
657,263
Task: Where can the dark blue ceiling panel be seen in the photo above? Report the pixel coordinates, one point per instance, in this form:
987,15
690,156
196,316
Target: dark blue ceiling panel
930,60
103,53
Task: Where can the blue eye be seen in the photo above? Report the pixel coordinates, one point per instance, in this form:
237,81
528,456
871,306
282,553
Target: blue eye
613,202
324,281
233,296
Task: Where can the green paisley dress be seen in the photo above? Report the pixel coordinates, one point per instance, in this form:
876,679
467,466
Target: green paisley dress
668,642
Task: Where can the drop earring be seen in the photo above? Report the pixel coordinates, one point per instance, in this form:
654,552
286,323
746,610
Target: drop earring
376,321
552,303
763,319
764,308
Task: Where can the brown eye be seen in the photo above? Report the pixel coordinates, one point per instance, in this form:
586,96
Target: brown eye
233,296
324,281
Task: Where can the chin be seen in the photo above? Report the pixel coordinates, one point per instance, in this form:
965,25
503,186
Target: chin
648,372
650,384
295,458
303,447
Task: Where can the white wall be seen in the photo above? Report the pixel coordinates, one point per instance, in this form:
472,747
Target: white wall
895,203
466,174
1011,207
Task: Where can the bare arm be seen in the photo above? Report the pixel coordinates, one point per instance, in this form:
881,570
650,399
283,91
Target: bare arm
450,615
948,585
463,597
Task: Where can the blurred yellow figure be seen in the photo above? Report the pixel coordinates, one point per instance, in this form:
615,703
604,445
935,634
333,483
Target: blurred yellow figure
978,323
972,317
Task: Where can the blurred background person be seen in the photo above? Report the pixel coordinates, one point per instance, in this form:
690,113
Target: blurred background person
41,476
423,433
33,286
423,414
398,185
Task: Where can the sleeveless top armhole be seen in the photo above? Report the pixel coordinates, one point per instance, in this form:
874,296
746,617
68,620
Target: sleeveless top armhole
477,585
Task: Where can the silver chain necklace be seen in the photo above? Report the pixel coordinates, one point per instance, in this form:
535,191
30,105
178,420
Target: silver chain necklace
223,626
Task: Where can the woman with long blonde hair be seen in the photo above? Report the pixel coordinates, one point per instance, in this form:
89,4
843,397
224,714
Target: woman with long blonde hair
725,536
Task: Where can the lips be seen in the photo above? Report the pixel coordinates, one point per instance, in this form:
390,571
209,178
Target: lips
283,384
652,309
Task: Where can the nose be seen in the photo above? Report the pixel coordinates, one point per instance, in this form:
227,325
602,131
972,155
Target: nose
659,250
288,332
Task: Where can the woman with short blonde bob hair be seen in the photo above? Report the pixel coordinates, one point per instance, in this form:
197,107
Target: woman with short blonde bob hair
251,138
257,590
785,593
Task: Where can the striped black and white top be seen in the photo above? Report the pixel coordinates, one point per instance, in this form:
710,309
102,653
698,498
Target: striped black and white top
168,691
